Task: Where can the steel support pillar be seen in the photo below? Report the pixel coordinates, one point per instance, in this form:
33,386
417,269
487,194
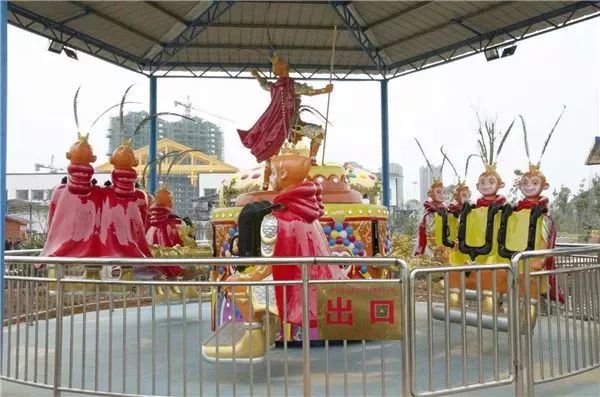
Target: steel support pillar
385,146
3,139
152,177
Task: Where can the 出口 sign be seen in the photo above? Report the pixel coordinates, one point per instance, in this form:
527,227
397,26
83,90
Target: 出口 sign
360,312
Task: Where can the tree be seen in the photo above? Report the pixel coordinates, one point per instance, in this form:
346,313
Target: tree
562,211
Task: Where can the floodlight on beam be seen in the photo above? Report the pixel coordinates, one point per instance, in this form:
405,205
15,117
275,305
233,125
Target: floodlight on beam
491,54
56,47
508,51
70,53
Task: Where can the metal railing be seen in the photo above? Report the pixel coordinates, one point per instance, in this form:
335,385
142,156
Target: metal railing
464,328
567,343
452,370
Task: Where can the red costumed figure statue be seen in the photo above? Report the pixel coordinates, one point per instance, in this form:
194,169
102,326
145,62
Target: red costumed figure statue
124,210
164,231
281,120
292,229
429,237
74,214
289,227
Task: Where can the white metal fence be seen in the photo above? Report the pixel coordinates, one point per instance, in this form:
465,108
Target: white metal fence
115,337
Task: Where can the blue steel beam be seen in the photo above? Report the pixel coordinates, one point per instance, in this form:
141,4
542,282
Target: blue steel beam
3,138
193,29
385,145
152,177
491,35
341,8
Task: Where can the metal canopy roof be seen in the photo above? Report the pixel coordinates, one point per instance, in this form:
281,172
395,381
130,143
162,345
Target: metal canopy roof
376,39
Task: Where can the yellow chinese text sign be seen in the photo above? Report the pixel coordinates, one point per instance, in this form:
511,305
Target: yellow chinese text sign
360,312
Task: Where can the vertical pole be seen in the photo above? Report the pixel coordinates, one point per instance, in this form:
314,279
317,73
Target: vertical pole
59,328
385,145
3,138
152,177
516,328
306,329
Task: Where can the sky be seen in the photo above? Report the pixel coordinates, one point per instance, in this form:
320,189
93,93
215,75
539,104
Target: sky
438,106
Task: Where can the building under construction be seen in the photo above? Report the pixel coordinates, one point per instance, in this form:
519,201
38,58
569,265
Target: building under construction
198,134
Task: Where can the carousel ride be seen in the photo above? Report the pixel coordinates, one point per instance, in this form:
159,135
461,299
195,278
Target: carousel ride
293,207
489,231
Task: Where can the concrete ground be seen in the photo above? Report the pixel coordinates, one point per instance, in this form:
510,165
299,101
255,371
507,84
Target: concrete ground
242,379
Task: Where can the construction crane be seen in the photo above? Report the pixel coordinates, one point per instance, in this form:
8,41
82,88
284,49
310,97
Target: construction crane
187,106
52,169
188,110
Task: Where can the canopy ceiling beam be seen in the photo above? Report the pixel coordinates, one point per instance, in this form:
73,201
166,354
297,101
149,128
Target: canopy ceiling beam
51,27
395,15
510,31
193,29
268,47
445,24
303,71
115,22
277,26
164,11
74,17
235,65
351,22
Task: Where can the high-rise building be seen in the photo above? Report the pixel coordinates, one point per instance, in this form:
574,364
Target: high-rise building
396,185
182,134
198,134
426,179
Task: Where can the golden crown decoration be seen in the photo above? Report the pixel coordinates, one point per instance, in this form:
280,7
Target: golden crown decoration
490,168
291,149
82,137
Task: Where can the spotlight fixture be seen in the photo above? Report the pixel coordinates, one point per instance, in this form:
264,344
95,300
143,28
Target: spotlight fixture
491,54
70,53
56,47
508,51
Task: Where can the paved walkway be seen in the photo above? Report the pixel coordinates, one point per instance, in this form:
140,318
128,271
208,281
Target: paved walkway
354,358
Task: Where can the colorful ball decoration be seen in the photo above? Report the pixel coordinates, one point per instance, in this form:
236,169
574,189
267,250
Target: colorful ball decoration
363,269
342,234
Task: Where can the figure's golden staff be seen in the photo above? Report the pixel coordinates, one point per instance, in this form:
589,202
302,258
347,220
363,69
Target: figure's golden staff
329,93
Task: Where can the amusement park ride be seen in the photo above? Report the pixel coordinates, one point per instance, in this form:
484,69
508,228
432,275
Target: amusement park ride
294,207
